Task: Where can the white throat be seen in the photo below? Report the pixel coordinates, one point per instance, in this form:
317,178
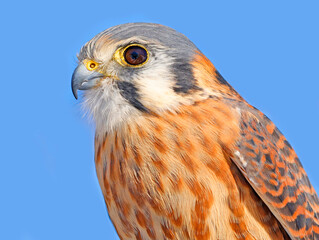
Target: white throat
108,108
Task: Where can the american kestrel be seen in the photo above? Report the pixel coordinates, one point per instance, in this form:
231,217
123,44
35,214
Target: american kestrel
179,153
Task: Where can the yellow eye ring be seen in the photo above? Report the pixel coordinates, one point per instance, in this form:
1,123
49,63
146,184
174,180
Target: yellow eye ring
121,55
90,65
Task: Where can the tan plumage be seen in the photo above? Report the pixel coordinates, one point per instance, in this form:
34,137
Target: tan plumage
179,154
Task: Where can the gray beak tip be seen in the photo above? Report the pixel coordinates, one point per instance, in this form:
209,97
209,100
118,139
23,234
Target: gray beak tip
75,92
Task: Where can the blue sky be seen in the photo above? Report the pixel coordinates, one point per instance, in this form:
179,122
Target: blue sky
49,190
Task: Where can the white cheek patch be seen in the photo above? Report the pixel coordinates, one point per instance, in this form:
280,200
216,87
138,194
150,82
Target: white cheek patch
155,86
155,89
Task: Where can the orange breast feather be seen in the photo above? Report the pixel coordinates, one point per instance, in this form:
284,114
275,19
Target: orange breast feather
171,177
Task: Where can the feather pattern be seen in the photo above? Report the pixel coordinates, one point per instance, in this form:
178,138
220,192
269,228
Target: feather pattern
273,169
153,191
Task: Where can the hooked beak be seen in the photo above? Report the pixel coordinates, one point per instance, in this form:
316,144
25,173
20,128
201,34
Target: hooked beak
83,79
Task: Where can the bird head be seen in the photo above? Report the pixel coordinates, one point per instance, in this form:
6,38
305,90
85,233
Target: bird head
134,69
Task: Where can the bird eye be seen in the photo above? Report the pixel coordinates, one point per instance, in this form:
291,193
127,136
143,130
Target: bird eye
91,65
135,55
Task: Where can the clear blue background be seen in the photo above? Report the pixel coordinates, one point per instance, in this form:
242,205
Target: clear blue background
268,51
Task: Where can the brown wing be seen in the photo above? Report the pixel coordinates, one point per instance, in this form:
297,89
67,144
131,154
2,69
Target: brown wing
273,169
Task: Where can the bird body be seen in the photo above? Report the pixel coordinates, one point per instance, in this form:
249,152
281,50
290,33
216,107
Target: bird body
179,153
154,192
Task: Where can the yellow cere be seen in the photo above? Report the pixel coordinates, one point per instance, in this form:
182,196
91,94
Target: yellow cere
90,65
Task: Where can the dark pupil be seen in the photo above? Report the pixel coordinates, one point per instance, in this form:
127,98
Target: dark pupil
135,55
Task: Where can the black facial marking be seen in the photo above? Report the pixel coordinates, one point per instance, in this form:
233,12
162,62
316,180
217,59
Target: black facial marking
129,92
184,77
